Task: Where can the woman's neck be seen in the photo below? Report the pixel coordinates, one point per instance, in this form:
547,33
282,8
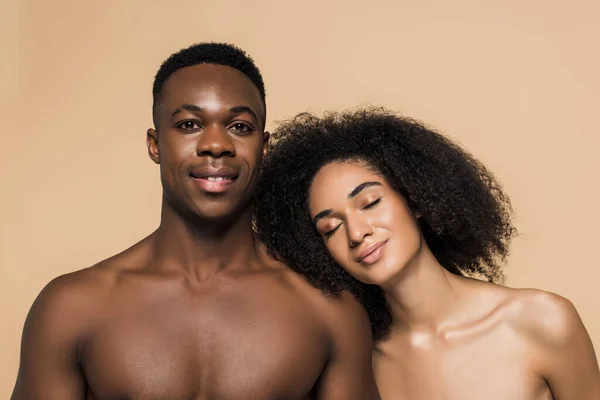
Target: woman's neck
422,296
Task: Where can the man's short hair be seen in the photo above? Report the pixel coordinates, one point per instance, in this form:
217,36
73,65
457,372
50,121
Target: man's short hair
208,53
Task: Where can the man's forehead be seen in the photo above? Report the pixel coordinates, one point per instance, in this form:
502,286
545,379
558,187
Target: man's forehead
219,77
213,83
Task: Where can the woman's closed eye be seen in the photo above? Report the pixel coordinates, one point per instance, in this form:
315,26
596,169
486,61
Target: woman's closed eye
331,232
372,204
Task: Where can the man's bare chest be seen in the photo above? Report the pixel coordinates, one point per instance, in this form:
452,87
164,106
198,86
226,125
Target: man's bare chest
235,349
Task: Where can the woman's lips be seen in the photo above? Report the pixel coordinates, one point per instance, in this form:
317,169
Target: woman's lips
372,253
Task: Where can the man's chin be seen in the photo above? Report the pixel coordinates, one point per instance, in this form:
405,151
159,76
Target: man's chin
219,213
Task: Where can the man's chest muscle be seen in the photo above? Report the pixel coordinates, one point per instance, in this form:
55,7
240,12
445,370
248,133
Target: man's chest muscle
228,351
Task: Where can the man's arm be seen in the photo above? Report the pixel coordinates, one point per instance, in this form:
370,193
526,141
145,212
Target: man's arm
568,363
349,373
49,368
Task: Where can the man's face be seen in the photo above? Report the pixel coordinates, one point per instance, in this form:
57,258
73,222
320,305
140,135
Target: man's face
209,140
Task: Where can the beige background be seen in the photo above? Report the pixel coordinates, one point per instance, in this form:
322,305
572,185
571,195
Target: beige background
516,82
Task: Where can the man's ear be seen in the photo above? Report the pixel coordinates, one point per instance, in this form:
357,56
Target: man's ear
152,143
266,138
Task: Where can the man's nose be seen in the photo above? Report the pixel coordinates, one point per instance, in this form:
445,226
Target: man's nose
215,142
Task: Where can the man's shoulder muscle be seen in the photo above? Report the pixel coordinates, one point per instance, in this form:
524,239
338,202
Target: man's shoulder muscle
55,327
339,312
66,302
348,373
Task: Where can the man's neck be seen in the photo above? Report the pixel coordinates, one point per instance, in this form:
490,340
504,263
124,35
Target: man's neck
202,249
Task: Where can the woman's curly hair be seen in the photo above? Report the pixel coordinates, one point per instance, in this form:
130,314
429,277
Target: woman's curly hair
465,216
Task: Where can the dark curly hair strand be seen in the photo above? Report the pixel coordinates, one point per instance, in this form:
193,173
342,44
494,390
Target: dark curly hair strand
465,215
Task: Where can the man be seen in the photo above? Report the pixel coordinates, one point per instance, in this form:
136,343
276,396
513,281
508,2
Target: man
197,310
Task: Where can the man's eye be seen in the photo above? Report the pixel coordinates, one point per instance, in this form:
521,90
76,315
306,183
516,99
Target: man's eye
240,127
372,204
188,125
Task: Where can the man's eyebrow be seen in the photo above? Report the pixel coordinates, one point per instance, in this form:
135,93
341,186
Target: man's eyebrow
233,110
362,187
321,215
187,107
243,109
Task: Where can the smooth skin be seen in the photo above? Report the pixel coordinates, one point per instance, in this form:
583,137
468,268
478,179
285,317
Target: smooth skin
453,338
197,310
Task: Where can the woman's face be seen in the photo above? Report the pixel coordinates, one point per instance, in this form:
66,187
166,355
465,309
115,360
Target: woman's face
366,225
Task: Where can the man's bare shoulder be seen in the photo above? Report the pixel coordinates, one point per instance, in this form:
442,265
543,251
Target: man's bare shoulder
348,372
341,312
72,300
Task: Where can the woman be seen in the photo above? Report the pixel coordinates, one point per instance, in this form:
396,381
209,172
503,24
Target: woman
398,215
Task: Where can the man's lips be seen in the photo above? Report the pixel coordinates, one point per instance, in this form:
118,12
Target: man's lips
372,253
209,171
214,179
